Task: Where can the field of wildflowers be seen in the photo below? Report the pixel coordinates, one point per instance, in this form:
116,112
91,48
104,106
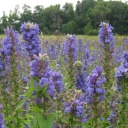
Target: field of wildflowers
67,83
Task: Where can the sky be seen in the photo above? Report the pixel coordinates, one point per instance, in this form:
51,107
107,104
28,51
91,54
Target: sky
7,5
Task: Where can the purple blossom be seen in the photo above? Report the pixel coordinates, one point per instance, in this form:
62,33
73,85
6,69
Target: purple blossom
50,85
2,121
122,70
125,59
94,85
38,66
40,69
2,67
2,125
81,82
58,81
75,106
117,54
105,33
71,47
106,37
30,33
10,43
111,118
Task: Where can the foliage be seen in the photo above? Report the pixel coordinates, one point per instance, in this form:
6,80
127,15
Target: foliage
83,19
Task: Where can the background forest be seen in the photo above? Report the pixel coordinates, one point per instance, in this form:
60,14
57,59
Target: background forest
84,18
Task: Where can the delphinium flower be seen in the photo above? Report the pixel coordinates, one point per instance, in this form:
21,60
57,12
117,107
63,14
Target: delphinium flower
95,94
74,107
71,47
80,49
48,86
41,71
122,70
105,33
95,87
106,40
122,82
81,76
53,52
30,33
39,65
2,125
58,81
10,50
44,87
117,55
113,118
2,66
71,52
86,60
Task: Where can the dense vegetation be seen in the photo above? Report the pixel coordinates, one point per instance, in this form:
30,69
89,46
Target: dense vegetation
83,19
63,83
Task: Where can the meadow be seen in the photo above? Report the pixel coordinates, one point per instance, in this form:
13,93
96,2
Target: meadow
63,81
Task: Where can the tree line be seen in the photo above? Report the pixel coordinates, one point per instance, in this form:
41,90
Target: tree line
83,19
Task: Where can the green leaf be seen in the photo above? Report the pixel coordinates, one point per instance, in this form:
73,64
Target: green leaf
26,95
45,123
33,122
42,90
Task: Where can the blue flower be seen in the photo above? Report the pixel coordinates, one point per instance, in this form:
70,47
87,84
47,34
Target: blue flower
75,105
122,70
105,33
30,33
71,47
94,85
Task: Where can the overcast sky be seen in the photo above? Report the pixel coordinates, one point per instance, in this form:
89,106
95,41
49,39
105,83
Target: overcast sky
7,5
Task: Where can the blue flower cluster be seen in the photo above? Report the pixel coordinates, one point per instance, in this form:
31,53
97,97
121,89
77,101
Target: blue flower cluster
40,69
39,65
10,43
81,82
2,67
74,104
81,76
2,125
122,70
94,85
30,33
58,81
71,47
111,118
105,33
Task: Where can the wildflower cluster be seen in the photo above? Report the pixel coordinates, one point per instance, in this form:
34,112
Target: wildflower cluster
2,125
122,70
122,82
58,81
71,52
71,47
10,55
80,81
74,105
40,69
105,33
95,81
30,33
2,66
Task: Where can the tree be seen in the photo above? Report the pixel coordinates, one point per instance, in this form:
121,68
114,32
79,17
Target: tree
14,18
26,16
69,28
